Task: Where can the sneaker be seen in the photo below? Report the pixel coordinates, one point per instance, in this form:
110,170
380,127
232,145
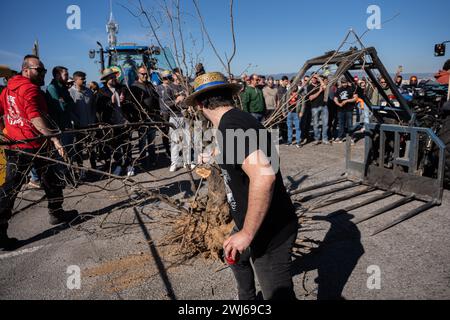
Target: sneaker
174,168
298,146
117,171
7,243
316,143
34,184
62,216
82,174
327,143
338,140
352,142
192,166
130,171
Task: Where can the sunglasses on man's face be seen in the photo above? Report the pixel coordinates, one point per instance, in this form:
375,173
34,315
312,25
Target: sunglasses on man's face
38,69
143,74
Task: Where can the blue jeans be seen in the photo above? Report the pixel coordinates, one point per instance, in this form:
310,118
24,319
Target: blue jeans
345,123
293,117
367,114
323,112
34,175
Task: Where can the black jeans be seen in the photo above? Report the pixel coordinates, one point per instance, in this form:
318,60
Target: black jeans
147,138
273,270
345,123
119,148
17,169
82,141
306,123
332,119
165,116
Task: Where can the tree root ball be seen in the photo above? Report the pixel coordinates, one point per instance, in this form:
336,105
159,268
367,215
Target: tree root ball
203,231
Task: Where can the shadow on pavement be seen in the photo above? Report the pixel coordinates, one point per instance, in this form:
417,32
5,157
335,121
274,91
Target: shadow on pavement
335,258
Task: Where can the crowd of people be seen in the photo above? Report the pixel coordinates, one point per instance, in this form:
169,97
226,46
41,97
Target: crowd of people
330,111
95,122
314,110
266,224
73,105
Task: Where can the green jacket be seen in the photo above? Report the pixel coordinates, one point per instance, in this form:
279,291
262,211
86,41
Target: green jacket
60,104
253,100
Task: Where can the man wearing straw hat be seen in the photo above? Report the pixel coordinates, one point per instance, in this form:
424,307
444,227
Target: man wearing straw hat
266,224
113,109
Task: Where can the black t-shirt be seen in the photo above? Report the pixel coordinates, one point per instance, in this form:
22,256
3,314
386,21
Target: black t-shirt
281,220
144,96
319,101
345,94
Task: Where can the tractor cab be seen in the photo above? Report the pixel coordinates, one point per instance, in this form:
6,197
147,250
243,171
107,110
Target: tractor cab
127,58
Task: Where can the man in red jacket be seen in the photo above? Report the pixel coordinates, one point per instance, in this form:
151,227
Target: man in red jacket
23,114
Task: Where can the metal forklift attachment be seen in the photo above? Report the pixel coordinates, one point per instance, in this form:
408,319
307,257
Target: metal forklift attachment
320,185
327,192
403,155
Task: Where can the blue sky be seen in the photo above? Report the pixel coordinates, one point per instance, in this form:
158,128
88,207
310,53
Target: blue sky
274,36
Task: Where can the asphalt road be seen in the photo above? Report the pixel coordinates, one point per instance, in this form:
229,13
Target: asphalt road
119,254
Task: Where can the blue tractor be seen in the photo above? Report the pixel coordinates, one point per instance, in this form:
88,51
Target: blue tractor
126,58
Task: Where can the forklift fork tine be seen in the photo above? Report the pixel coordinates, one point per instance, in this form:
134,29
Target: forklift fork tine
322,193
387,208
361,204
407,216
318,186
343,198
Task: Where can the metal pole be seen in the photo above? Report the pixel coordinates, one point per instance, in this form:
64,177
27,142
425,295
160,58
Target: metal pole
448,94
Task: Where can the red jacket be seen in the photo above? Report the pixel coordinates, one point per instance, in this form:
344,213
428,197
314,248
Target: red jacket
20,102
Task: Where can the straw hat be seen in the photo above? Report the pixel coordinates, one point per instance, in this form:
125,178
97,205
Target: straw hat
209,82
165,74
108,72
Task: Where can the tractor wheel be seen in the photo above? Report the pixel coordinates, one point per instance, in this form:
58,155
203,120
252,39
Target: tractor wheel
444,135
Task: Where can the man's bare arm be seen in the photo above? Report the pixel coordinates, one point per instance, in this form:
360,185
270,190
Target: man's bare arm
41,126
355,98
262,182
316,95
336,100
